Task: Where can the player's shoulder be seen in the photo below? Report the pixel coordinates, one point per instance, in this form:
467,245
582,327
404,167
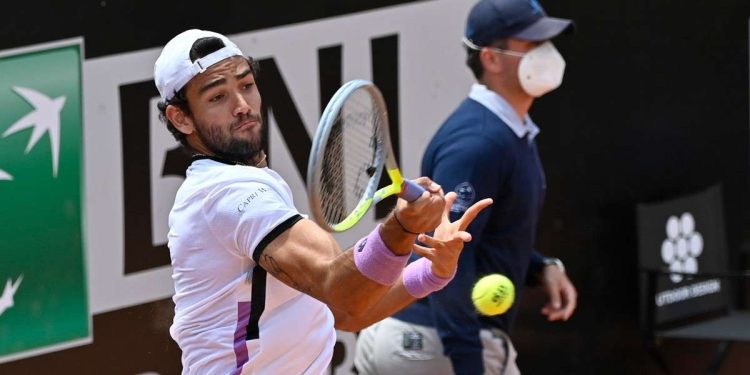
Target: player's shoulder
211,176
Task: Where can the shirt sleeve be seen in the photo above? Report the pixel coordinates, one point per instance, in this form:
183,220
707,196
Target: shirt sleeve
243,215
474,168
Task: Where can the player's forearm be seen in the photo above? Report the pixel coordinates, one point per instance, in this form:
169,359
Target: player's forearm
347,289
417,281
395,299
373,265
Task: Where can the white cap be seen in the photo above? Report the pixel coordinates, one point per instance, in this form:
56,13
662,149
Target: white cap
173,69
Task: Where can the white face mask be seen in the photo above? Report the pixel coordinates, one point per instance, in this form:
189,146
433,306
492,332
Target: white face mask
541,70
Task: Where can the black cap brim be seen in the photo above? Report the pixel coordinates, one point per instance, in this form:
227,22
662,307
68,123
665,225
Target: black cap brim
545,28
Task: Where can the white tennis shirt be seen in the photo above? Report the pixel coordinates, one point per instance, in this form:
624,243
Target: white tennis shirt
231,317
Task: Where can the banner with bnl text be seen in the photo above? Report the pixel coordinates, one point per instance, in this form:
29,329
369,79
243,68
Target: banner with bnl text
44,304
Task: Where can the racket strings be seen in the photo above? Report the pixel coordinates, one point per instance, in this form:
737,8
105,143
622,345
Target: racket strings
352,155
331,194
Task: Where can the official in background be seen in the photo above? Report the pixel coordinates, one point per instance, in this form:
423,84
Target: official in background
486,148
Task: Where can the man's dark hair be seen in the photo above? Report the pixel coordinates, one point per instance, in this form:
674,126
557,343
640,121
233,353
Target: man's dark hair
472,57
201,48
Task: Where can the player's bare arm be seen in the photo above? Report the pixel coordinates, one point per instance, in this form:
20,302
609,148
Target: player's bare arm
308,258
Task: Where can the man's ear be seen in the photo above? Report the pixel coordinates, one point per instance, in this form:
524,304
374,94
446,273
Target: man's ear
491,61
180,120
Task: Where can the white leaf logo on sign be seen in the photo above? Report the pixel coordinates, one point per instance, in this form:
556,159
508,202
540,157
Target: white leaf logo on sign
44,118
6,300
682,247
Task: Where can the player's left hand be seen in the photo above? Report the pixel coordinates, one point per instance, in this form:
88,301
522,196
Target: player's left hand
561,292
448,240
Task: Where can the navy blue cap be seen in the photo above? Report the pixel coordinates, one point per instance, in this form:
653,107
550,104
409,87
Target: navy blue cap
490,20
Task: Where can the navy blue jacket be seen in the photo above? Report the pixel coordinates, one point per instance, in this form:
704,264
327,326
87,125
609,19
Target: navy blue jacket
477,155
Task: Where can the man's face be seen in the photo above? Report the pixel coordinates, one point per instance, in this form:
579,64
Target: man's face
225,110
510,63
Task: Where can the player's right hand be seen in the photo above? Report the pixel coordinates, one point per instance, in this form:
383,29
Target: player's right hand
425,213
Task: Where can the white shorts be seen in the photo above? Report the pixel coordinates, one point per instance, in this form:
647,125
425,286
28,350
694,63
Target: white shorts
393,346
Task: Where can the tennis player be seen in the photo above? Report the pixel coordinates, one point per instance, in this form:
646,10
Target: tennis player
259,288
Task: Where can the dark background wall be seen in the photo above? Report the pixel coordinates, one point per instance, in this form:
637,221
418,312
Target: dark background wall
654,105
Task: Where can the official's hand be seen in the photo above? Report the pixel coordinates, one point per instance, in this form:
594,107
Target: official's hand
448,240
561,292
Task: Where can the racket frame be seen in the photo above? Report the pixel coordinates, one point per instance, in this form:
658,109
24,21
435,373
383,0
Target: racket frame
371,195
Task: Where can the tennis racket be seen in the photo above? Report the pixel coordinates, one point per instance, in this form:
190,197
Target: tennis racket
351,146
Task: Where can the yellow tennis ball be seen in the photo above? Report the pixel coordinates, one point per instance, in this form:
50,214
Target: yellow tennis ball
493,294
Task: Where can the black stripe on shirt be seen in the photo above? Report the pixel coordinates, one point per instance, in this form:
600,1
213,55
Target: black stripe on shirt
257,302
288,223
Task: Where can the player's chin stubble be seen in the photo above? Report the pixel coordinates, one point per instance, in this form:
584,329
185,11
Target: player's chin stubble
224,143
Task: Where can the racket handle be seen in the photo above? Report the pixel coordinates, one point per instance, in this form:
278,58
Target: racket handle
410,191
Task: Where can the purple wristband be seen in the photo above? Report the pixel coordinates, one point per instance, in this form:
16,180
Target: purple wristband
376,261
419,280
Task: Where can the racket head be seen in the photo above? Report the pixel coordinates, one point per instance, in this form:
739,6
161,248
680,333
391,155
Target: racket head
348,155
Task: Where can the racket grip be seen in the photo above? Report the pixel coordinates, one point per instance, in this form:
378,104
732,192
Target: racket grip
410,191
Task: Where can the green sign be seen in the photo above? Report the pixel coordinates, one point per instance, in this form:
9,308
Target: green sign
44,303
